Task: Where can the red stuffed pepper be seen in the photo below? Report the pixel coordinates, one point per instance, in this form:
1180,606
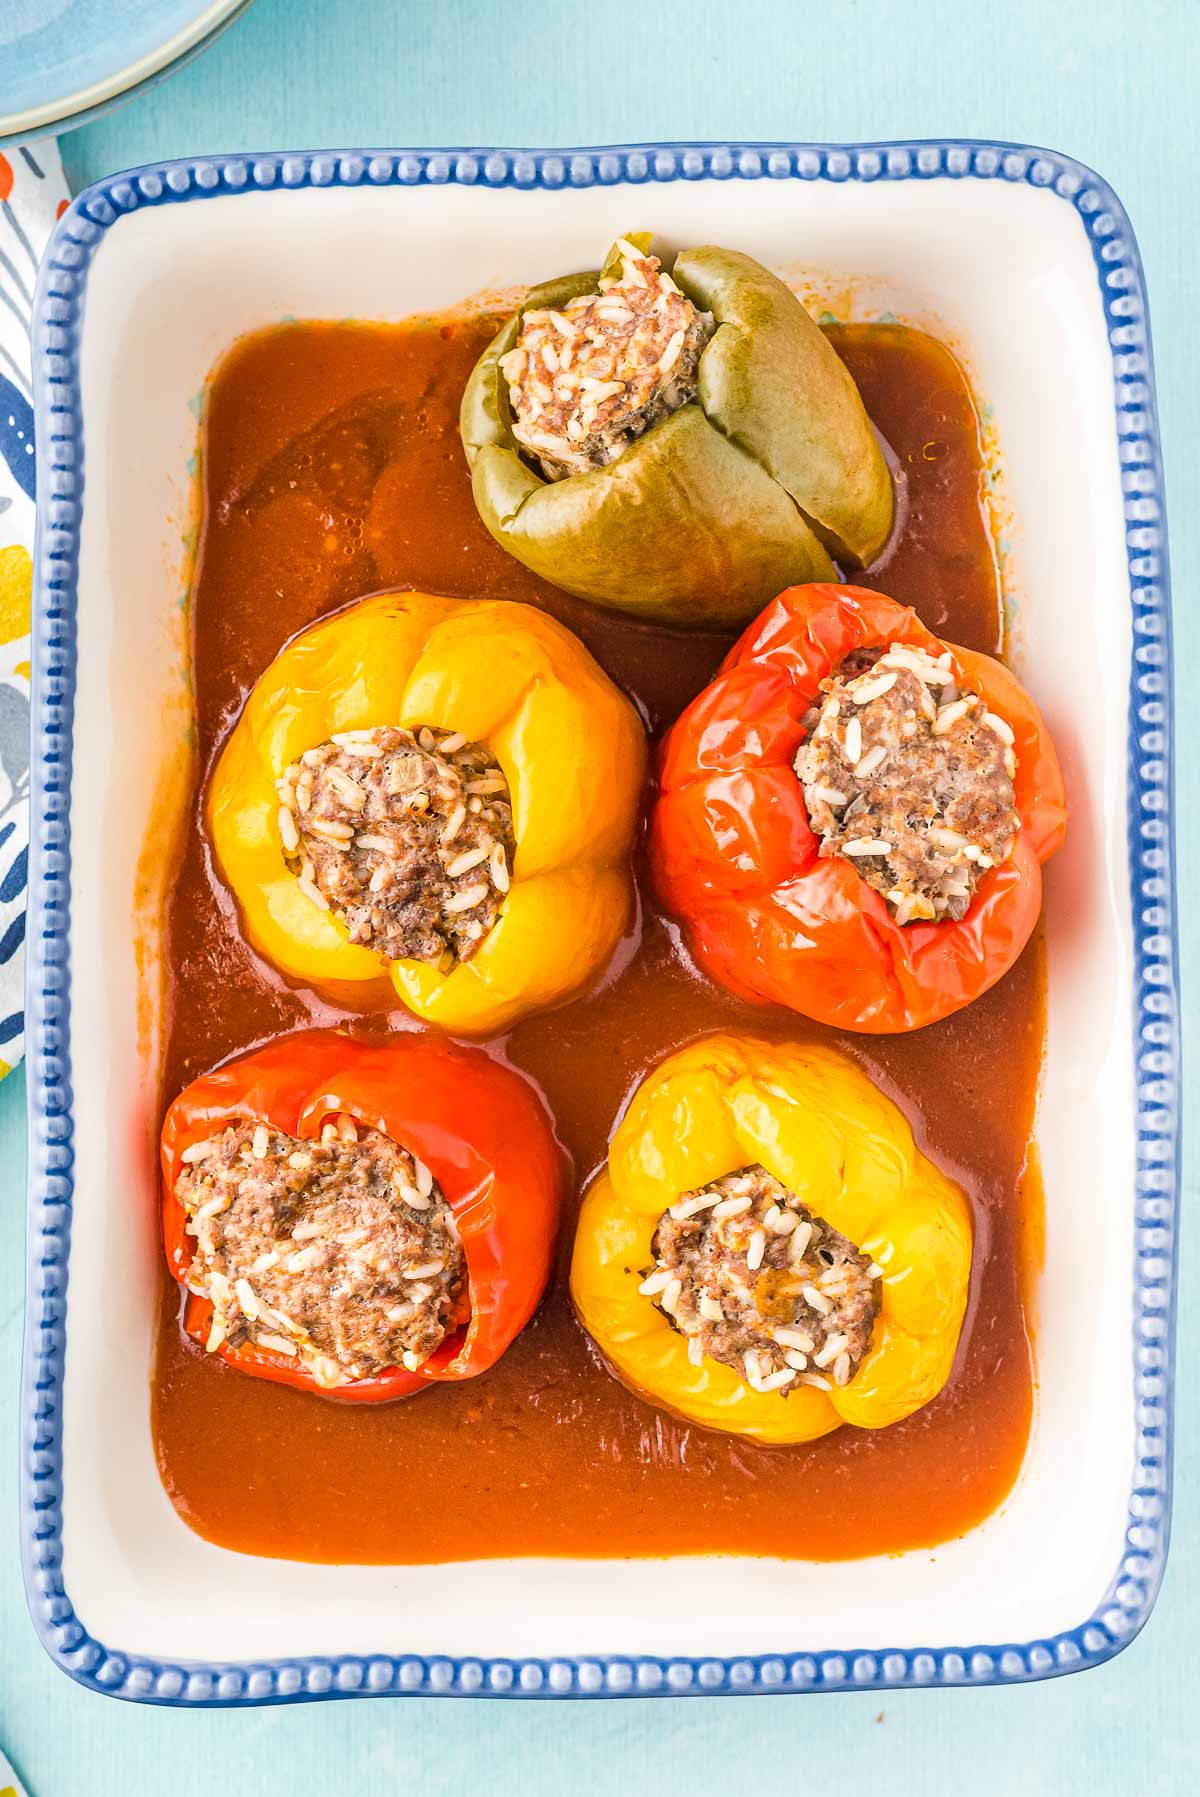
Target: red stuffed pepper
853,816
359,1221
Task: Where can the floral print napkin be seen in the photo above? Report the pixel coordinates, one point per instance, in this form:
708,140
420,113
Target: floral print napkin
32,195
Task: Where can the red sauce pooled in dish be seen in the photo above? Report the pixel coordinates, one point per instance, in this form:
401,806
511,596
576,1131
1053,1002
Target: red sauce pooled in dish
332,468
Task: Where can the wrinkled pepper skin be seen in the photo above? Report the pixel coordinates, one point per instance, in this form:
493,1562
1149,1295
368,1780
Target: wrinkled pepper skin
572,749
772,470
478,1126
816,1122
733,856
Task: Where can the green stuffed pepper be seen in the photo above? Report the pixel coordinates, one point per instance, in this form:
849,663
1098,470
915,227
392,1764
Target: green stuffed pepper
679,445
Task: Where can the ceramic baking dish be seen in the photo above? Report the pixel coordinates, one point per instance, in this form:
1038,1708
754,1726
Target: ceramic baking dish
1025,262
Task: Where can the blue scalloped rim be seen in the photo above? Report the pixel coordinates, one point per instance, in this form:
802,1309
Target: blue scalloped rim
1129,1598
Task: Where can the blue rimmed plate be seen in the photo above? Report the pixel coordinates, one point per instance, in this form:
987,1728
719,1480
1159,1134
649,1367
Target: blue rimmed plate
62,62
1026,263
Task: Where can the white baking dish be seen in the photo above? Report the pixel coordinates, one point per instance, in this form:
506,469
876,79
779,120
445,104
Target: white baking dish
1026,263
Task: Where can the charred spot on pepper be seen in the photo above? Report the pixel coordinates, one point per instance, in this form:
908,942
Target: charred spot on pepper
910,778
407,837
589,378
753,1278
339,1253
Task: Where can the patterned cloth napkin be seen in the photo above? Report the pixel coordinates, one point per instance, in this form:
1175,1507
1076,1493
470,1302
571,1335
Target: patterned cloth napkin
33,192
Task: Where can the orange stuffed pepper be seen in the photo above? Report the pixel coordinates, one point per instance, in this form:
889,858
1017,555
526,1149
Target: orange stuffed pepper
359,1221
854,815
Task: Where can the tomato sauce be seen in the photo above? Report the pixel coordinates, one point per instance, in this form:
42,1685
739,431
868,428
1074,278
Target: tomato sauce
331,468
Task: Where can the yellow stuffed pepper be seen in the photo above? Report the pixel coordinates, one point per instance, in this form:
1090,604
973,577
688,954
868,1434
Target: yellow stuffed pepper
767,1252
436,793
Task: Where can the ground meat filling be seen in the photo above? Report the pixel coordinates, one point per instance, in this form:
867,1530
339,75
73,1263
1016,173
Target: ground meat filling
585,382
341,1253
753,1279
910,779
407,838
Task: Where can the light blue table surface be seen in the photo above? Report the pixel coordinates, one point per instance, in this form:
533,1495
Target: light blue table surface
1115,83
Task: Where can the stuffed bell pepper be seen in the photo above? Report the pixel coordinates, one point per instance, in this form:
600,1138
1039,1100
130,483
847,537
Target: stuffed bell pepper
438,793
853,816
767,1252
677,444
359,1221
